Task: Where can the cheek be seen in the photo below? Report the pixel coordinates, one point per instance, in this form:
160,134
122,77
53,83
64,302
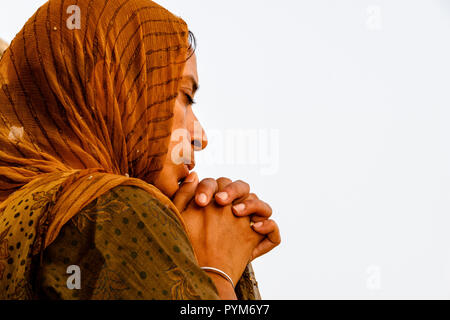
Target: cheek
172,153
180,137
167,181
179,115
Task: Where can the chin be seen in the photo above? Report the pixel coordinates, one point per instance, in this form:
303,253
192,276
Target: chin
169,189
172,191
169,179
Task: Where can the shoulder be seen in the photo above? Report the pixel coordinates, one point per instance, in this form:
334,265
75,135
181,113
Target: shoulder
137,200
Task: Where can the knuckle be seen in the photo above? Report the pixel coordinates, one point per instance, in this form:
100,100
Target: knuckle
261,206
278,238
243,183
269,209
278,242
224,179
274,226
207,185
249,205
252,196
208,180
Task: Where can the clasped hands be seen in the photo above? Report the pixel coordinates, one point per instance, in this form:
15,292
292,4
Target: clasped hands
217,214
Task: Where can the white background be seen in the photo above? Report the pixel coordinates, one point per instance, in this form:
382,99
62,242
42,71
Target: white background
356,96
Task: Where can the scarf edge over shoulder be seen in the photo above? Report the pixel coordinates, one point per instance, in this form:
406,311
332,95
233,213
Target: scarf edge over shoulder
67,201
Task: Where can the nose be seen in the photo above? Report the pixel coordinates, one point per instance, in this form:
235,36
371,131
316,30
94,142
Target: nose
198,137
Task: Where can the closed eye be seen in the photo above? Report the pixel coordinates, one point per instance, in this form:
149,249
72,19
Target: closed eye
190,100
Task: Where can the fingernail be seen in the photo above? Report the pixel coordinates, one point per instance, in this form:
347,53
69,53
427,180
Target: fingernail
191,177
222,196
202,198
258,224
239,207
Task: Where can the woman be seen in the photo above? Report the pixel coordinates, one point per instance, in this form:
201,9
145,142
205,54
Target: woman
97,200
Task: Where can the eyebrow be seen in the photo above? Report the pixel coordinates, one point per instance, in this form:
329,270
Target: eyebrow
195,85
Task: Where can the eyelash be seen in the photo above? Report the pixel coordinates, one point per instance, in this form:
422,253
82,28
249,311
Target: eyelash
189,99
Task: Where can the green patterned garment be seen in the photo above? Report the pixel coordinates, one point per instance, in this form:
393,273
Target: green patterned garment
127,245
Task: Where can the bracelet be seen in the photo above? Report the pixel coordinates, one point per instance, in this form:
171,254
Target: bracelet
219,272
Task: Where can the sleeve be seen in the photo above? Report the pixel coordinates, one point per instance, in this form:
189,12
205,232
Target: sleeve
124,245
247,286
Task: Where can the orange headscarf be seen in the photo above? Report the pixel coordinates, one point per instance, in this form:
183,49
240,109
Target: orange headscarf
87,95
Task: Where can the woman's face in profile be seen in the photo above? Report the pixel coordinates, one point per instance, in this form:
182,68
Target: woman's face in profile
187,134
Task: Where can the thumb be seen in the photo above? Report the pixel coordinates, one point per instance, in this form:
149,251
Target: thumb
186,192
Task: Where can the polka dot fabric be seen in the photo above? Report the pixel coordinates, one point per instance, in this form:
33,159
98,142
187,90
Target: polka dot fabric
128,246
21,228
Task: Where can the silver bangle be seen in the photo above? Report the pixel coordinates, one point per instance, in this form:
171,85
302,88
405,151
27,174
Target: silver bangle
220,272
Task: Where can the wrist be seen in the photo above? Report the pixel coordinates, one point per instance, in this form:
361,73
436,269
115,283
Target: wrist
223,286
221,273
228,267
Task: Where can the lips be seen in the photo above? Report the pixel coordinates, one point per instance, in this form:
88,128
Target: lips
186,171
191,165
185,174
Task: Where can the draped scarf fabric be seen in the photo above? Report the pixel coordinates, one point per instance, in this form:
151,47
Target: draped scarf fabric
89,105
